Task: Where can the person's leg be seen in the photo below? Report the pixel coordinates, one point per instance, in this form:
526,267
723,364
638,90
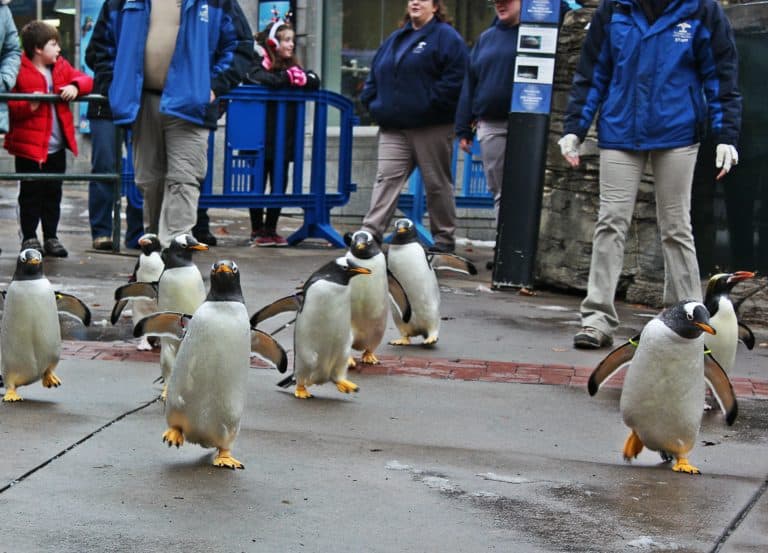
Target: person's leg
673,175
432,151
51,205
620,174
492,136
30,200
101,193
273,213
395,164
187,162
134,225
149,159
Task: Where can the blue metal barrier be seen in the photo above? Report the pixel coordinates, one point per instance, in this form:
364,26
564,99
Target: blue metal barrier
245,165
470,192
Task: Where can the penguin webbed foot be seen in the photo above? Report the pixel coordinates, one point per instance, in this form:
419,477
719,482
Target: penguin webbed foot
632,446
11,396
666,457
402,341
682,465
224,459
50,380
345,386
430,340
301,392
164,393
173,436
351,364
369,358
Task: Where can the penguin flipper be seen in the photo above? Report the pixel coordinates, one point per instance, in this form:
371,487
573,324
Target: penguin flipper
168,324
398,295
269,349
283,305
136,291
73,306
117,310
721,387
452,262
612,363
746,336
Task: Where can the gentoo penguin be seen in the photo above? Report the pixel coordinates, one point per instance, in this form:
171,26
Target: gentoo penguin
208,384
369,296
180,288
322,337
413,267
664,386
30,333
722,317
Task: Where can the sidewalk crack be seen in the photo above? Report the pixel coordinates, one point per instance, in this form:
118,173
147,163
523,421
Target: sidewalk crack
740,517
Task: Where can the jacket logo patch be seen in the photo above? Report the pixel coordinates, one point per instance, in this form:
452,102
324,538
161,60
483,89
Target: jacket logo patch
682,32
419,48
203,15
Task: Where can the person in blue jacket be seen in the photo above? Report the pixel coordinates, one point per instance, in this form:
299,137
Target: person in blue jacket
412,92
165,64
660,73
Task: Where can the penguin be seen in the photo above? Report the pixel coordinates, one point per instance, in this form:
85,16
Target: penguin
413,267
208,384
180,288
664,386
322,337
30,332
722,317
369,301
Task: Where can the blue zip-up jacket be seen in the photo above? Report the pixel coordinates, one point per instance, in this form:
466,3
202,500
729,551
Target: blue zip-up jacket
421,86
214,49
487,88
657,86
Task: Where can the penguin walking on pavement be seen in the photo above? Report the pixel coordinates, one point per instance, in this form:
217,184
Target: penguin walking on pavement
369,296
322,337
723,318
208,384
30,332
664,386
414,268
149,267
180,288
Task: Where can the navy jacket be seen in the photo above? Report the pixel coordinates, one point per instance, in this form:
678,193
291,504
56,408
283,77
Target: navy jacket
487,88
213,51
656,86
421,87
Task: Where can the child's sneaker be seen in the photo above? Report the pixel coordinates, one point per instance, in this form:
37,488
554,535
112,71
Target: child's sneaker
262,239
278,241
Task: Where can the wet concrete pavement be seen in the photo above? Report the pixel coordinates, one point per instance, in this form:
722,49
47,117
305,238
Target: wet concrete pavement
411,463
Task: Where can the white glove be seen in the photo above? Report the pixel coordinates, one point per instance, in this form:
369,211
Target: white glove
726,157
569,147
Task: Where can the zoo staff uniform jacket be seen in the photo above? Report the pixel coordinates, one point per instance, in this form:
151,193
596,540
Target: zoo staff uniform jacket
416,83
210,31
31,130
656,86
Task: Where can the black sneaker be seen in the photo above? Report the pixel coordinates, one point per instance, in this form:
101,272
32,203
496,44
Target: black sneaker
441,247
205,237
32,243
591,338
53,247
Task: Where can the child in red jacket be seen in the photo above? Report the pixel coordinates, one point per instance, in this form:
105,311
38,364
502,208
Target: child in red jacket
40,132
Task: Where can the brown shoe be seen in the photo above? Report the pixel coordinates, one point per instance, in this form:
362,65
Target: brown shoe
102,243
591,338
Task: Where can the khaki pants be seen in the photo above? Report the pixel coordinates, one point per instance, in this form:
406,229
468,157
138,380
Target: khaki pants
620,174
170,157
400,151
492,136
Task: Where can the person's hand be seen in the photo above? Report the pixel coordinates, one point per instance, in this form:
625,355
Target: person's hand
69,92
569,147
296,76
466,145
726,157
34,105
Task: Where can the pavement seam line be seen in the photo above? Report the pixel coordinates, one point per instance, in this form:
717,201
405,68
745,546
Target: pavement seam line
69,448
736,522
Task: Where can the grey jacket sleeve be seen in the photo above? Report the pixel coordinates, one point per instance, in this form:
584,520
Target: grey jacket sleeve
10,54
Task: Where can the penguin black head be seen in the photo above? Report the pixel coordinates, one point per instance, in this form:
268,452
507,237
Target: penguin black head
688,319
149,243
179,252
29,265
405,232
363,245
339,271
721,285
225,282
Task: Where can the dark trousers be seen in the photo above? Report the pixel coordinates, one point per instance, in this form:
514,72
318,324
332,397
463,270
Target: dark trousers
273,213
40,200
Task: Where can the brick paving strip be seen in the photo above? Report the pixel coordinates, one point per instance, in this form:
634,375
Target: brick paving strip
455,369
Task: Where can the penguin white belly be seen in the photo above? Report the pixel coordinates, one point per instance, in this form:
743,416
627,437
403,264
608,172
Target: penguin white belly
150,269
30,335
724,343
207,387
323,336
409,265
664,390
180,289
369,298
